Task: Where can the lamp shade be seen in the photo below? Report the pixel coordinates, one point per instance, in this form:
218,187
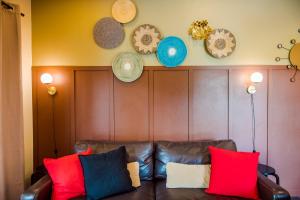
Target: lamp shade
171,51
256,77
46,78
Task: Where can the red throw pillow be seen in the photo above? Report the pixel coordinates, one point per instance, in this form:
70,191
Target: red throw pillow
233,173
67,176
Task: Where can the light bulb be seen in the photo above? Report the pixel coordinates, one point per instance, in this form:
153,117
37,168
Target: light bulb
127,66
46,78
172,51
256,77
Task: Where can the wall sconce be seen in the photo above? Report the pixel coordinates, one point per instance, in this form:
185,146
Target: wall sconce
255,78
47,79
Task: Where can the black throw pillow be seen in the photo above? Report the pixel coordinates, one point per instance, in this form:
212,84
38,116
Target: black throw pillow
106,174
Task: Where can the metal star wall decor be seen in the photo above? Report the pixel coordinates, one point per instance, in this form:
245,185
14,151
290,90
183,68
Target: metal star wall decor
293,57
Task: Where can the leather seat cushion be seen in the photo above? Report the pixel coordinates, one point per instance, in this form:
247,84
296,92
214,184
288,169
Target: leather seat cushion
186,152
163,193
145,192
141,152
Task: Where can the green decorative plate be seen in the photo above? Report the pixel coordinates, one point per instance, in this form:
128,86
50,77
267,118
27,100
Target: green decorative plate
127,66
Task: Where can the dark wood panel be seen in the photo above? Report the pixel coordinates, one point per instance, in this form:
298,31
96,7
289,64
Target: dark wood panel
54,115
240,111
92,105
171,105
208,104
132,109
284,129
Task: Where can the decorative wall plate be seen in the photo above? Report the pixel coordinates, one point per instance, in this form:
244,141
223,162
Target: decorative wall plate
127,66
123,11
145,39
294,55
108,33
220,43
171,51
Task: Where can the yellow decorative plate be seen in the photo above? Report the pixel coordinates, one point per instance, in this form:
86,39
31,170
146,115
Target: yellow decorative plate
295,55
123,11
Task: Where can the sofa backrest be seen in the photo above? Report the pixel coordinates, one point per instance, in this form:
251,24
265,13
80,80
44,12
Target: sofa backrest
195,152
185,152
136,151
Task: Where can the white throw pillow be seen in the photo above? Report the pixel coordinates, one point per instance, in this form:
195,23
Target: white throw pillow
134,171
187,176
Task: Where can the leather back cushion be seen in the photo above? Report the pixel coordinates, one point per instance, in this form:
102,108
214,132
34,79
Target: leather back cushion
185,152
141,152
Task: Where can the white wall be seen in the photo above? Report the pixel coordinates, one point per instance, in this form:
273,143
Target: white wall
62,29
25,7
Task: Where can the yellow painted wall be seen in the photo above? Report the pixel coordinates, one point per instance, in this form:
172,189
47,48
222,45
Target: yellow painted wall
62,29
26,53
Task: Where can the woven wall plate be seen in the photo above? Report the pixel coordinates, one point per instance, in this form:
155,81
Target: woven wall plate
108,33
171,51
220,43
145,39
123,11
128,66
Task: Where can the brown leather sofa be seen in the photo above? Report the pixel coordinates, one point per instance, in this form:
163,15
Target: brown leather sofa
153,158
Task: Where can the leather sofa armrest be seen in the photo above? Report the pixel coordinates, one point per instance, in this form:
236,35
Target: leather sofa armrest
268,190
41,190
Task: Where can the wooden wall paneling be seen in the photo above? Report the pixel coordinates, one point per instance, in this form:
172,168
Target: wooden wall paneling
208,104
72,104
64,82
57,107
35,117
111,106
131,102
284,129
240,111
171,105
93,105
151,104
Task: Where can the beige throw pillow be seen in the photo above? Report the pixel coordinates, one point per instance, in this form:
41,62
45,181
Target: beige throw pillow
187,176
134,171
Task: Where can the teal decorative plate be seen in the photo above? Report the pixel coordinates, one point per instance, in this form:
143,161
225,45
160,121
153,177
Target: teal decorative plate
171,51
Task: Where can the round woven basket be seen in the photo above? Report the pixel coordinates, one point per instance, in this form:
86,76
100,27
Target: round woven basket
127,66
171,51
108,33
123,11
145,39
220,43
